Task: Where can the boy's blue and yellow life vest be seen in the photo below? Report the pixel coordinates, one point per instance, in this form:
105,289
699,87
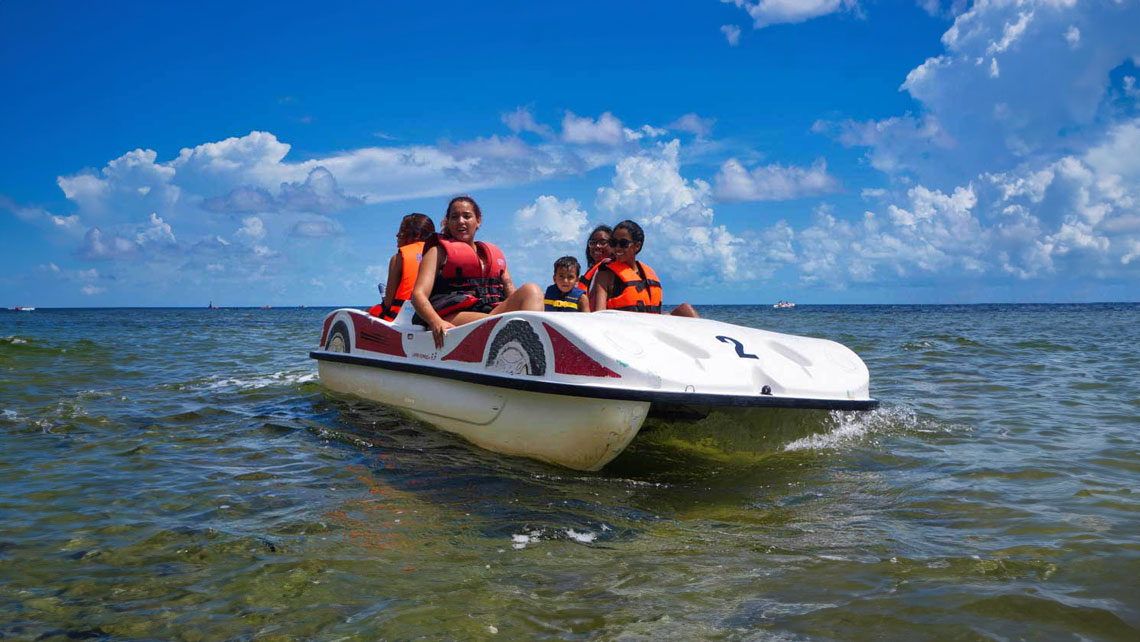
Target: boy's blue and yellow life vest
557,301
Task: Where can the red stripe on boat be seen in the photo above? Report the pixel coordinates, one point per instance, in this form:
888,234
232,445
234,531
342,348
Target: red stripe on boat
373,335
569,358
471,348
325,331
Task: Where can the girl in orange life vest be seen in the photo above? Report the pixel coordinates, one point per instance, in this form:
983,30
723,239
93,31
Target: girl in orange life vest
597,252
444,296
404,265
626,283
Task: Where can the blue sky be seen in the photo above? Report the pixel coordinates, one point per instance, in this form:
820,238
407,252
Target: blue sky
822,151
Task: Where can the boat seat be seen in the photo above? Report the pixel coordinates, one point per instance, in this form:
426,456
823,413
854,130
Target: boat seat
404,318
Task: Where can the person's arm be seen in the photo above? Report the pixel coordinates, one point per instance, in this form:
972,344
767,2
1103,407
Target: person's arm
421,292
395,275
508,284
600,289
584,303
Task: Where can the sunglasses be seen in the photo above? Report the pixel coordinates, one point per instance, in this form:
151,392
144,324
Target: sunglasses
598,242
622,243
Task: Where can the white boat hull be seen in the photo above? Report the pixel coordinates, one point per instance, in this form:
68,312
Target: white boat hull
574,389
575,432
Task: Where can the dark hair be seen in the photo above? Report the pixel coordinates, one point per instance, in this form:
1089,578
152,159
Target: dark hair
416,227
463,197
634,230
601,228
568,262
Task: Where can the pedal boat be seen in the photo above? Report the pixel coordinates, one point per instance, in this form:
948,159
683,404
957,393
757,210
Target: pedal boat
574,389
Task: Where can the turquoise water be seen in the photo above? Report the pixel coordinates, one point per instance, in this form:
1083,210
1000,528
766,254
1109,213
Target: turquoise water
182,475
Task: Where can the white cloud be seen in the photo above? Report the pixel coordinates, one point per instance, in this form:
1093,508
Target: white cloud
95,247
891,141
316,228
1018,81
645,131
158,232
1073,37
522,120
770,12
677,216
936,8
1042,96
694,124
90,290
252,229
731,33
773,182
550,220
1130,87
1078,215
40,215
606,130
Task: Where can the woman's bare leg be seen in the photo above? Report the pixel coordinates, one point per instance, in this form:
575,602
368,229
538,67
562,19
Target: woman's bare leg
528,297
459,318
684,310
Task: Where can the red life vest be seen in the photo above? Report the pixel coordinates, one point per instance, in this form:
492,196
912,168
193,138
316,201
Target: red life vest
463,273
631,292
586,279
410,257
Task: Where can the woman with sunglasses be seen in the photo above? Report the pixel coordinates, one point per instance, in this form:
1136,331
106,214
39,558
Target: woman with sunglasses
626,283
463,280
597,252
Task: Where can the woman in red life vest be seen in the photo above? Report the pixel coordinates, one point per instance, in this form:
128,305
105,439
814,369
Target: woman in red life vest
597,252
626,283
404,265
463,280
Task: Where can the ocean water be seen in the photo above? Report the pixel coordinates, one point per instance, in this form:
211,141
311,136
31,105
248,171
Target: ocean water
182,475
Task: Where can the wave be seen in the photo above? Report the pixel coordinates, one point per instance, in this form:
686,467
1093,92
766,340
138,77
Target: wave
853,428
251,381
520,541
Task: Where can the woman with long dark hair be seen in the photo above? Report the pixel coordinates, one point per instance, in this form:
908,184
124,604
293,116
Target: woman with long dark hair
626,283
462,280
404,266
597,252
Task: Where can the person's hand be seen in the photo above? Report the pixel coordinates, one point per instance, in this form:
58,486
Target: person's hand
438,330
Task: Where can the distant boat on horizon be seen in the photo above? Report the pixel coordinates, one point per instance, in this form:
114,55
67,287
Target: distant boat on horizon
784,304
266,307
20,308
211,306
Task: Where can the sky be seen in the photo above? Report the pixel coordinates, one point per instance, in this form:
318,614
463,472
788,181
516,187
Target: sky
818,151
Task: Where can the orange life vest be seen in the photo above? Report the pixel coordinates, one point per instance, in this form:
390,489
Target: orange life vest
410,257
586,279
633,293
463,273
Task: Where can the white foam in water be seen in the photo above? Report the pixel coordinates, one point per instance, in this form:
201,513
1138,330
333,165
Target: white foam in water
520,541
14,340
264,381
852,427
584,538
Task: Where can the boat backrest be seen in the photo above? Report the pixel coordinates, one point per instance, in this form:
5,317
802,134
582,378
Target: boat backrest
404,318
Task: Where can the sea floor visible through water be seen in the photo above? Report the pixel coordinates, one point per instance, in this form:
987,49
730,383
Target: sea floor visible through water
178,474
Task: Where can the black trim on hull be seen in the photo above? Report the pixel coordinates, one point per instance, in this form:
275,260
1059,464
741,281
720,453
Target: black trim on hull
596,392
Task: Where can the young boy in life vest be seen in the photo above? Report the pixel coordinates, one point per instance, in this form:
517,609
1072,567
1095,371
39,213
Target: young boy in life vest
404,265
564,295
